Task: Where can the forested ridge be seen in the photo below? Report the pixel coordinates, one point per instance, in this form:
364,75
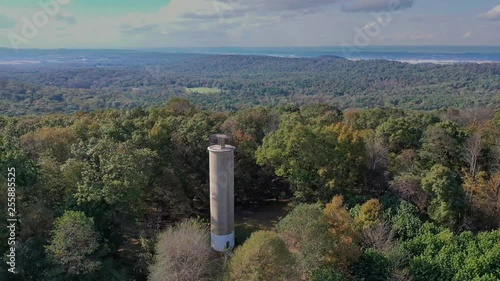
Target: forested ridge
100,80
375,194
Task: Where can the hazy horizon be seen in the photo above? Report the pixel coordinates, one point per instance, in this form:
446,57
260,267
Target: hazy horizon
410,54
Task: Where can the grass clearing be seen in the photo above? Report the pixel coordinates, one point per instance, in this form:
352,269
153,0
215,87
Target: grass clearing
203,90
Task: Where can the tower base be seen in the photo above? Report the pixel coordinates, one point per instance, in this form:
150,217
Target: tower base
221,243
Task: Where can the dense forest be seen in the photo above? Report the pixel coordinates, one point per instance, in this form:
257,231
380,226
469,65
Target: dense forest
371,194
71,81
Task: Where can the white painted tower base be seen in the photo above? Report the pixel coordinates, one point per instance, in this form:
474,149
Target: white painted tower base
221,243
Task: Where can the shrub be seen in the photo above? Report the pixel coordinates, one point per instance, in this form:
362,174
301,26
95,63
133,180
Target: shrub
183,253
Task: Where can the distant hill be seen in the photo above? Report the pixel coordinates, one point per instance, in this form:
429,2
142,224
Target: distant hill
332,57
49,81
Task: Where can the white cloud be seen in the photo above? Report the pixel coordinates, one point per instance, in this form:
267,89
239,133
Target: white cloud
493,14
178,15
95,31
202,19
196,15
199,23
267,6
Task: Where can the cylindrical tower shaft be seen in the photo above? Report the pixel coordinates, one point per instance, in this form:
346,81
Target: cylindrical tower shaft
222,196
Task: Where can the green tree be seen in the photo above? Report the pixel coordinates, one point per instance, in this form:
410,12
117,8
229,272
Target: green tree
190,151
406,221
117,174
33,263
264,256
446,195
252,181
442,144
317,160
75,243
400,133
372,266
438,254
372,118
12,155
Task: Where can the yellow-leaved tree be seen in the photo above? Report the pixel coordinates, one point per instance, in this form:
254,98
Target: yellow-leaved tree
343,228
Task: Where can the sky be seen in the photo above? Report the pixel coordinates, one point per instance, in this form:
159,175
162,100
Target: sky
247,23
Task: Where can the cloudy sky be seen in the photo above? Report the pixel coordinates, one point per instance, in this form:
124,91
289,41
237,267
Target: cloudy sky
252,23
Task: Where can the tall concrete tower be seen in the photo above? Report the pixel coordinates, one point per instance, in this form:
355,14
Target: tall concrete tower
221,193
